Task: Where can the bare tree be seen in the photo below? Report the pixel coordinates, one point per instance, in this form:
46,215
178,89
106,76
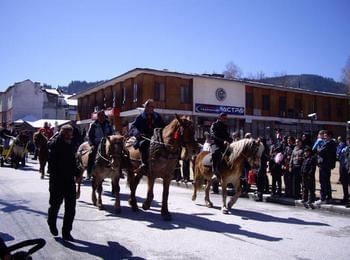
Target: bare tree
346,75
232,71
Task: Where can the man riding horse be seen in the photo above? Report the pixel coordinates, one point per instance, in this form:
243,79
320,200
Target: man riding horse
142,128
221,138
98,130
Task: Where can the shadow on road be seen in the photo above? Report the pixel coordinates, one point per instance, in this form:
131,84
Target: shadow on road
6,237
111,251
16,205
258,216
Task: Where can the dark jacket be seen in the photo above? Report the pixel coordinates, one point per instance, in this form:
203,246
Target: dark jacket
97,131
327,154
143,126
308,167
61,162
219,133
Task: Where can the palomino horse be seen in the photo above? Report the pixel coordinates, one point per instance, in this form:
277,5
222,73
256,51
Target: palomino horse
230,169
40,142
164,153
107,165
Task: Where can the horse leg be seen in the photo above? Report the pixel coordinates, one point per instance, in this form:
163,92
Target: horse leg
164,211
207,201
116,188
133,182
234,198
93,195
196,182
99,191
147,203
224,196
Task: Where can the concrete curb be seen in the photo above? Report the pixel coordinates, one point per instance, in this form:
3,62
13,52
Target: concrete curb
339,209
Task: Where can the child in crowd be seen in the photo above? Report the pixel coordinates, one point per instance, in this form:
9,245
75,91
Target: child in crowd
308,169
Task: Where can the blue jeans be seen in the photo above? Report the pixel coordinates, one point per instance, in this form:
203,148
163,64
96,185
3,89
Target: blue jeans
325,182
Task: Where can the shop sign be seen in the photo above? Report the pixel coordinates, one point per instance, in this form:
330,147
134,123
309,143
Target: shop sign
215,109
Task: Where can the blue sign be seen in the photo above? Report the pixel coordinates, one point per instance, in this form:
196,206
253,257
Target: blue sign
230,110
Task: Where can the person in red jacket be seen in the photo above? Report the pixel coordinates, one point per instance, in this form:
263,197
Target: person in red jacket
46,130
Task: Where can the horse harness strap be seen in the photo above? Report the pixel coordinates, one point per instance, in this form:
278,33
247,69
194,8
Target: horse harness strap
160,149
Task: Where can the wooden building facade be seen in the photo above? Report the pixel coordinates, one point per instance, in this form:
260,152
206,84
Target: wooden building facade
265,107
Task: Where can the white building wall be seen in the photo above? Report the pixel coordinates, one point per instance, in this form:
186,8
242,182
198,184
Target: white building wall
204,92
27,99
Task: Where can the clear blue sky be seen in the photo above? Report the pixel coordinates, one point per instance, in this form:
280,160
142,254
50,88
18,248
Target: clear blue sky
56,42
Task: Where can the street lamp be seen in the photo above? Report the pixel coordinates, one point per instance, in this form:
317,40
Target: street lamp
312,116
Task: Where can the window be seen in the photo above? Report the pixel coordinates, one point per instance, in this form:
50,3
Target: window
135,92
340,110
282,104
298,104
159,92
312,108
186,94
249,100
123,88
265,102
327,109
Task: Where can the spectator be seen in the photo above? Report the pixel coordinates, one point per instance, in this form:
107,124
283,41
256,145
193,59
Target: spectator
275,166
63,175
287,153
326,162
261,178
308,169
306,139
340,147
319,142
344,169
296,161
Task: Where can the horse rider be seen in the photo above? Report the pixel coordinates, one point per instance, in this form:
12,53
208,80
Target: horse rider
142,128
98,130
46,130
221,138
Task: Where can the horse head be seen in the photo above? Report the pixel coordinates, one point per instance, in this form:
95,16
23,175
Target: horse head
115,149
246,149
186,134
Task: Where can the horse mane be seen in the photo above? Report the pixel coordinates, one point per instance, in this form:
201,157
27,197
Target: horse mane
171,127
240,146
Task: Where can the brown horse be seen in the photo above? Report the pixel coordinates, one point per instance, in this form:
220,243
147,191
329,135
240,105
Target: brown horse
230,169
164,153
107,165
40,142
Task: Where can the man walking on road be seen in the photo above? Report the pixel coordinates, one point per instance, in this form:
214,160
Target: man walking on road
63,175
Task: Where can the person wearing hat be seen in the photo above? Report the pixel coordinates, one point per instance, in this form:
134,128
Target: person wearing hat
221,138
99,129
142,128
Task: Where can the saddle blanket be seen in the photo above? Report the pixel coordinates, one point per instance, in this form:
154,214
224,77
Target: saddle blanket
207,160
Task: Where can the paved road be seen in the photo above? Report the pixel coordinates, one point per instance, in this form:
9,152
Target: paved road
252,230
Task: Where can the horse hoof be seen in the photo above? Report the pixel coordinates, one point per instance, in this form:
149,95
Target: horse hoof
194,197
209,204
100,207
224,211
166,217
42,177
146,206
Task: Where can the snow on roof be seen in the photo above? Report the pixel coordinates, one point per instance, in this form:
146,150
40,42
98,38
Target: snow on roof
70,102
52,91
40,123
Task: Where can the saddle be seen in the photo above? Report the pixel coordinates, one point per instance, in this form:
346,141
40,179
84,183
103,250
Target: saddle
159,149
